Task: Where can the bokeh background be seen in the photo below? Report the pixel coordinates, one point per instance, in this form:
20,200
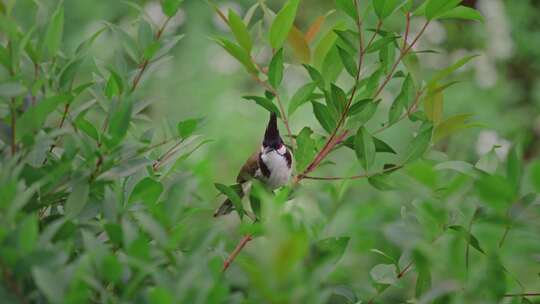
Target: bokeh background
500,88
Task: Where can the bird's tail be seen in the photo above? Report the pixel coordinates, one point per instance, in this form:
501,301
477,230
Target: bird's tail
227,206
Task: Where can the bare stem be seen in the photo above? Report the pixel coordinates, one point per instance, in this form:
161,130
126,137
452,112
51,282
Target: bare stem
165,156
527,294
365,175
13,127
243,242
403,53
146,62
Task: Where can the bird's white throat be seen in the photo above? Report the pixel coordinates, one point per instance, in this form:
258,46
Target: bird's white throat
280,172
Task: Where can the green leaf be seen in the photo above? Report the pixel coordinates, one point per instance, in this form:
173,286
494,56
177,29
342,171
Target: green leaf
306,149
147,190
187,127
12,89
49,283
275,70
68,73
331,249
240,31
462,12
385,8
332,66
315,76
282,24
385,274
419,144
471,239
496,191
322,113
33,119
55,29
239,53
423,283
88,128
151,50
513,167
265,103
451,126
160,295
170,7
488,162
436,8
28,232
535,175
348,7
112,268
77,198
449,70
348,62
115,84
301,96
381,182
337,100
120,120
364,148
233,196
433,105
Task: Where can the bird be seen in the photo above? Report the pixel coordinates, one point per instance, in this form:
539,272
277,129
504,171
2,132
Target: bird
271,165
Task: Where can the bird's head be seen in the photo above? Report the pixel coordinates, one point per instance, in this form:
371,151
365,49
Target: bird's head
272,141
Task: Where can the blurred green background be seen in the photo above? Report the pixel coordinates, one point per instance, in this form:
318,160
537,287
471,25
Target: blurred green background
501,88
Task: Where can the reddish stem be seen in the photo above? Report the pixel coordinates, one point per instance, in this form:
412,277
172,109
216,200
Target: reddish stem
243,242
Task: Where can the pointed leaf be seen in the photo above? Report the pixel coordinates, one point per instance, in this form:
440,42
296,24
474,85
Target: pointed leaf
301,96
275,70
240,31
282,24
265,103
365,148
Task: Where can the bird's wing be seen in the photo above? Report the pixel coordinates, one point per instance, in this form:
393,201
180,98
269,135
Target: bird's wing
248,169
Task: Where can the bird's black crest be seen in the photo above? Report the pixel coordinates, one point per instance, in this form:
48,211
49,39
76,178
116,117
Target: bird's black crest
271,136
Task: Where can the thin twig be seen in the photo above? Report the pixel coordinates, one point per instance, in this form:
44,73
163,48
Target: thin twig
407,30
409,111
60,125
13,127
403,53
146,62
166,156
332,141
365,175
243,242
527,294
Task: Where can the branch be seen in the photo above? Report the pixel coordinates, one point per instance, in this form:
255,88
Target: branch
403,53
64,115
331,142
365,175
146,62
165,156
527,294
13,127
243,242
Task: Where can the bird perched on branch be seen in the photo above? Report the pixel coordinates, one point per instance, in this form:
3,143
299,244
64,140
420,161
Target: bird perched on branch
272,165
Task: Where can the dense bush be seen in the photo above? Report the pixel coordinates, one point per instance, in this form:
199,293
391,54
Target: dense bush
98,203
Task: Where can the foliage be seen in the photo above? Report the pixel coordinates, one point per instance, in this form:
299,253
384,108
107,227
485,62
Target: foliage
97,204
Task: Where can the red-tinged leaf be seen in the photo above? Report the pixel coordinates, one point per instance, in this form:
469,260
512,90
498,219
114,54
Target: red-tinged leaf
314,28
299,45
